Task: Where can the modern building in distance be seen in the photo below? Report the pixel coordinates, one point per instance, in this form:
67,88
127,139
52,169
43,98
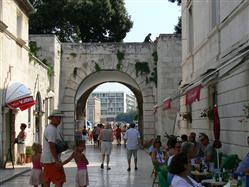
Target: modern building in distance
114,103
93,110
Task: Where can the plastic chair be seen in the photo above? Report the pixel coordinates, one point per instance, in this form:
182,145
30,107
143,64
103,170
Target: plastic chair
155,171
162,179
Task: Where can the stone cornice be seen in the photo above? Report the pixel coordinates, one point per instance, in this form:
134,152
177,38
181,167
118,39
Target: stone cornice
3,26
25,6
20,42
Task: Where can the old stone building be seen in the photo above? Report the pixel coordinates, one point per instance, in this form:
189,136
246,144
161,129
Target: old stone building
18,65
215,51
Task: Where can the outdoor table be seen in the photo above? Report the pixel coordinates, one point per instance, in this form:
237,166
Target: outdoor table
199,176
213,183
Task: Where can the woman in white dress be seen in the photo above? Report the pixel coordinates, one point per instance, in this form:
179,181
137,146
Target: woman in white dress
180,166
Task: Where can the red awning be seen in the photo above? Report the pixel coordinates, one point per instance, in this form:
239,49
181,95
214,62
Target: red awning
19,96
167,103
22,103
193,95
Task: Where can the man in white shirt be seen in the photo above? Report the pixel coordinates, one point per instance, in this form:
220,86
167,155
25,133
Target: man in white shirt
132,138
53,168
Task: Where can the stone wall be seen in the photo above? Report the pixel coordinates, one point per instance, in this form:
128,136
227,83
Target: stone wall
83,59
169,76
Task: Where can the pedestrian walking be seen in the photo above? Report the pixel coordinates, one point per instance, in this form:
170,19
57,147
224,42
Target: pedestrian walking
84,134
90,135
36,177
118,132
132,138
106,138
21,146
81,179
53,168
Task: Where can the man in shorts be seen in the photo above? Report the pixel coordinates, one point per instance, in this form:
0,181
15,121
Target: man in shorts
132,138
53,168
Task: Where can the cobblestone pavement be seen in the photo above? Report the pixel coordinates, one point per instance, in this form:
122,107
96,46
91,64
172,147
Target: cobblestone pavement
116,177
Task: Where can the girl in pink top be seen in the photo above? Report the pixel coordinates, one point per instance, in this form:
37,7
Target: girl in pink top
36,173
81,179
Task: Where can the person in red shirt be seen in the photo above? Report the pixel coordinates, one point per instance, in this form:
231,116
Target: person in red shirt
118,132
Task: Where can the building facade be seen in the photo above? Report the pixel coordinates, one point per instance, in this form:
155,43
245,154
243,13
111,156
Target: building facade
215,52
18,65
93,110
114,103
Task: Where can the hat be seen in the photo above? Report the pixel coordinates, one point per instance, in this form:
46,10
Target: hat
56,113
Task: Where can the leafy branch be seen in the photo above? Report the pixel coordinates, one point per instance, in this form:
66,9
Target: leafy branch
207,113
142,68
97,67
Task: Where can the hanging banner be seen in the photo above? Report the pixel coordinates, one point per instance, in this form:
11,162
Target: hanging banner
193,95
167,103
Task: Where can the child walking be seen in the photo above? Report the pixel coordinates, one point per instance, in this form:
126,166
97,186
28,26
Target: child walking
82,162
36,173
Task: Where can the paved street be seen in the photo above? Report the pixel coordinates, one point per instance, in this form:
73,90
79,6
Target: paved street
116,177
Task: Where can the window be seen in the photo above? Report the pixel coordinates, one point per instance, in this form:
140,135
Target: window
19,25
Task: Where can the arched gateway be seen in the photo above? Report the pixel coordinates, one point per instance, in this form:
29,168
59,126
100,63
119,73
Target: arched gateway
151,70
85,66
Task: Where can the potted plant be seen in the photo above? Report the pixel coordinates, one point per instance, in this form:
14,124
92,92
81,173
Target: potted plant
207,112
29,153
187,116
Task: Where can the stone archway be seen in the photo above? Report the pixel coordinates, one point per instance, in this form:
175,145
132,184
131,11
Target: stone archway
97,78
81,77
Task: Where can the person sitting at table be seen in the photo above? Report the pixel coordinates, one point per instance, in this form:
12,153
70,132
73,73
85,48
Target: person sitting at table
189,149
158,156
192,139
174,148
208,149
243,167
184,138
180,166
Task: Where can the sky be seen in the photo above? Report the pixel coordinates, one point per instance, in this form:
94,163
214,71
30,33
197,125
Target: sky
148,16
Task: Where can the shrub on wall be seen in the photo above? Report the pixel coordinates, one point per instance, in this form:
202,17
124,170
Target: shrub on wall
97,67
120,56
142,68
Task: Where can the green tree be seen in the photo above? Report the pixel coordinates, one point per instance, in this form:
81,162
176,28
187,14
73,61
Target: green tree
85,20
178,27
178,1
128,117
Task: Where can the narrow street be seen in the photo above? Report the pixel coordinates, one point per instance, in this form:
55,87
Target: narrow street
116,177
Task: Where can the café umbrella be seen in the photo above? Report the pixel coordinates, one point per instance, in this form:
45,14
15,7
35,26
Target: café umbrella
19,96
216,129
